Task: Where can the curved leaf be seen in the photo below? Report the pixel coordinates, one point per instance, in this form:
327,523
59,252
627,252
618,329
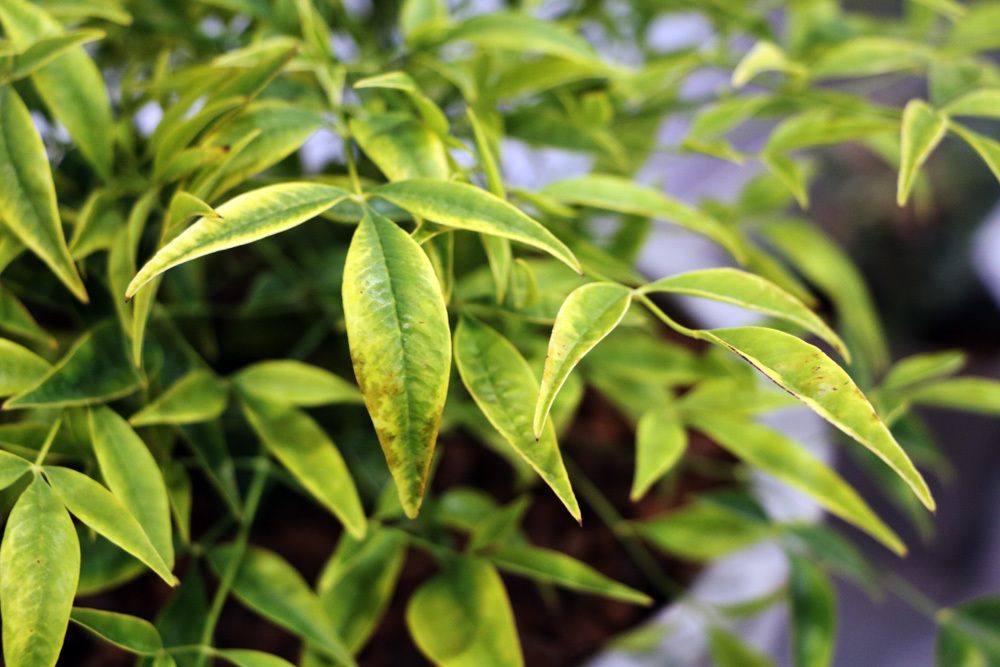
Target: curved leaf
464,206
504,387
291,382
39,569
198,396
588,315
397,328
512,31
20,368
28,195
813,611
248,658
660,442
401,147
131,633
16,320
974,394
704,530
749,291
922,130
243,219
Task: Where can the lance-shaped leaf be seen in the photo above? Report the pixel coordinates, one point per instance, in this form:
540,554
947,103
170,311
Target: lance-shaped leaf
974,394
921,131
400,146
614,193
464,206
39,570
557,568
919,368
660,442
20,368
987,148
968,633
813,607
302,447
95,506
462,618
397,329
983,102
730,650
131,633
11,468
243,219
131,473
785,460
27,193
588,315
749,291
43,51
15,319
198,396
71,86
358,582
704,530
247,658
504,387
291,382
812,377
95,370
266,583
515,31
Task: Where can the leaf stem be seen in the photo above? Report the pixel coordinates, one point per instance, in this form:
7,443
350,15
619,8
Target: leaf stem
49,439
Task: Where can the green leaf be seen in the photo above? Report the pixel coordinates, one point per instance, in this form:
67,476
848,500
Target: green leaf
812,377
20,368
95,370
11,468
464,206
198,396
291,382
43,51
868,56
432,115
751,292
968,634
312,458
922,130
813,611
27,193
618,194
510,31
133,634
39,569
270,586
95,506
660,442
553,567
462,618
401,147
728,650
765,56
787,461
987,148
735,395
588,315
417,16
247,658
130,471
704,531
397,327
918,368
244,219
71,86
972,394
504,387
358,582
984,102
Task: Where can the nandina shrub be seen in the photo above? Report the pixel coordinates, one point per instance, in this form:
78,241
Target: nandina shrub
175,349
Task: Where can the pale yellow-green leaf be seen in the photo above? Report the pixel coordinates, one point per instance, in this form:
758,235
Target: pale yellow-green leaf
973,394
196,397
588,315
20,368
43,51
660,442
921,131
291,382
131,633
11,468
987,148
765,56
400,146
397,328
704,530
983,102
868,56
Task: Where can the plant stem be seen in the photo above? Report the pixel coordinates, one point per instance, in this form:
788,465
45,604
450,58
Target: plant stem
49,439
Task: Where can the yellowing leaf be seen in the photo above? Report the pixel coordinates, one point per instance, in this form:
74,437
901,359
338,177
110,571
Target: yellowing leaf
291,382
922,130
27,194
464,206
39,570
401,147
196,397
511,31
131,633
588,315
244,219
765,56
504,387
398,332
462,618
660,442
751,292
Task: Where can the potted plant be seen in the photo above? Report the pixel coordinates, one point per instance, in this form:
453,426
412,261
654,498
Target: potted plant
209,348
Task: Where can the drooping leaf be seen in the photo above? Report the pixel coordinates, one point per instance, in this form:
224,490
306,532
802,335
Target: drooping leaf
397,328
660,442
244,219
196,397
618,194
812,377
588,315
464,206
130,471
20,368
39,569
462,618
922,130
135,635
95,506
27,193
270,586
95,370
291,382
557,568
704,530
504,387
312,458
813,605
